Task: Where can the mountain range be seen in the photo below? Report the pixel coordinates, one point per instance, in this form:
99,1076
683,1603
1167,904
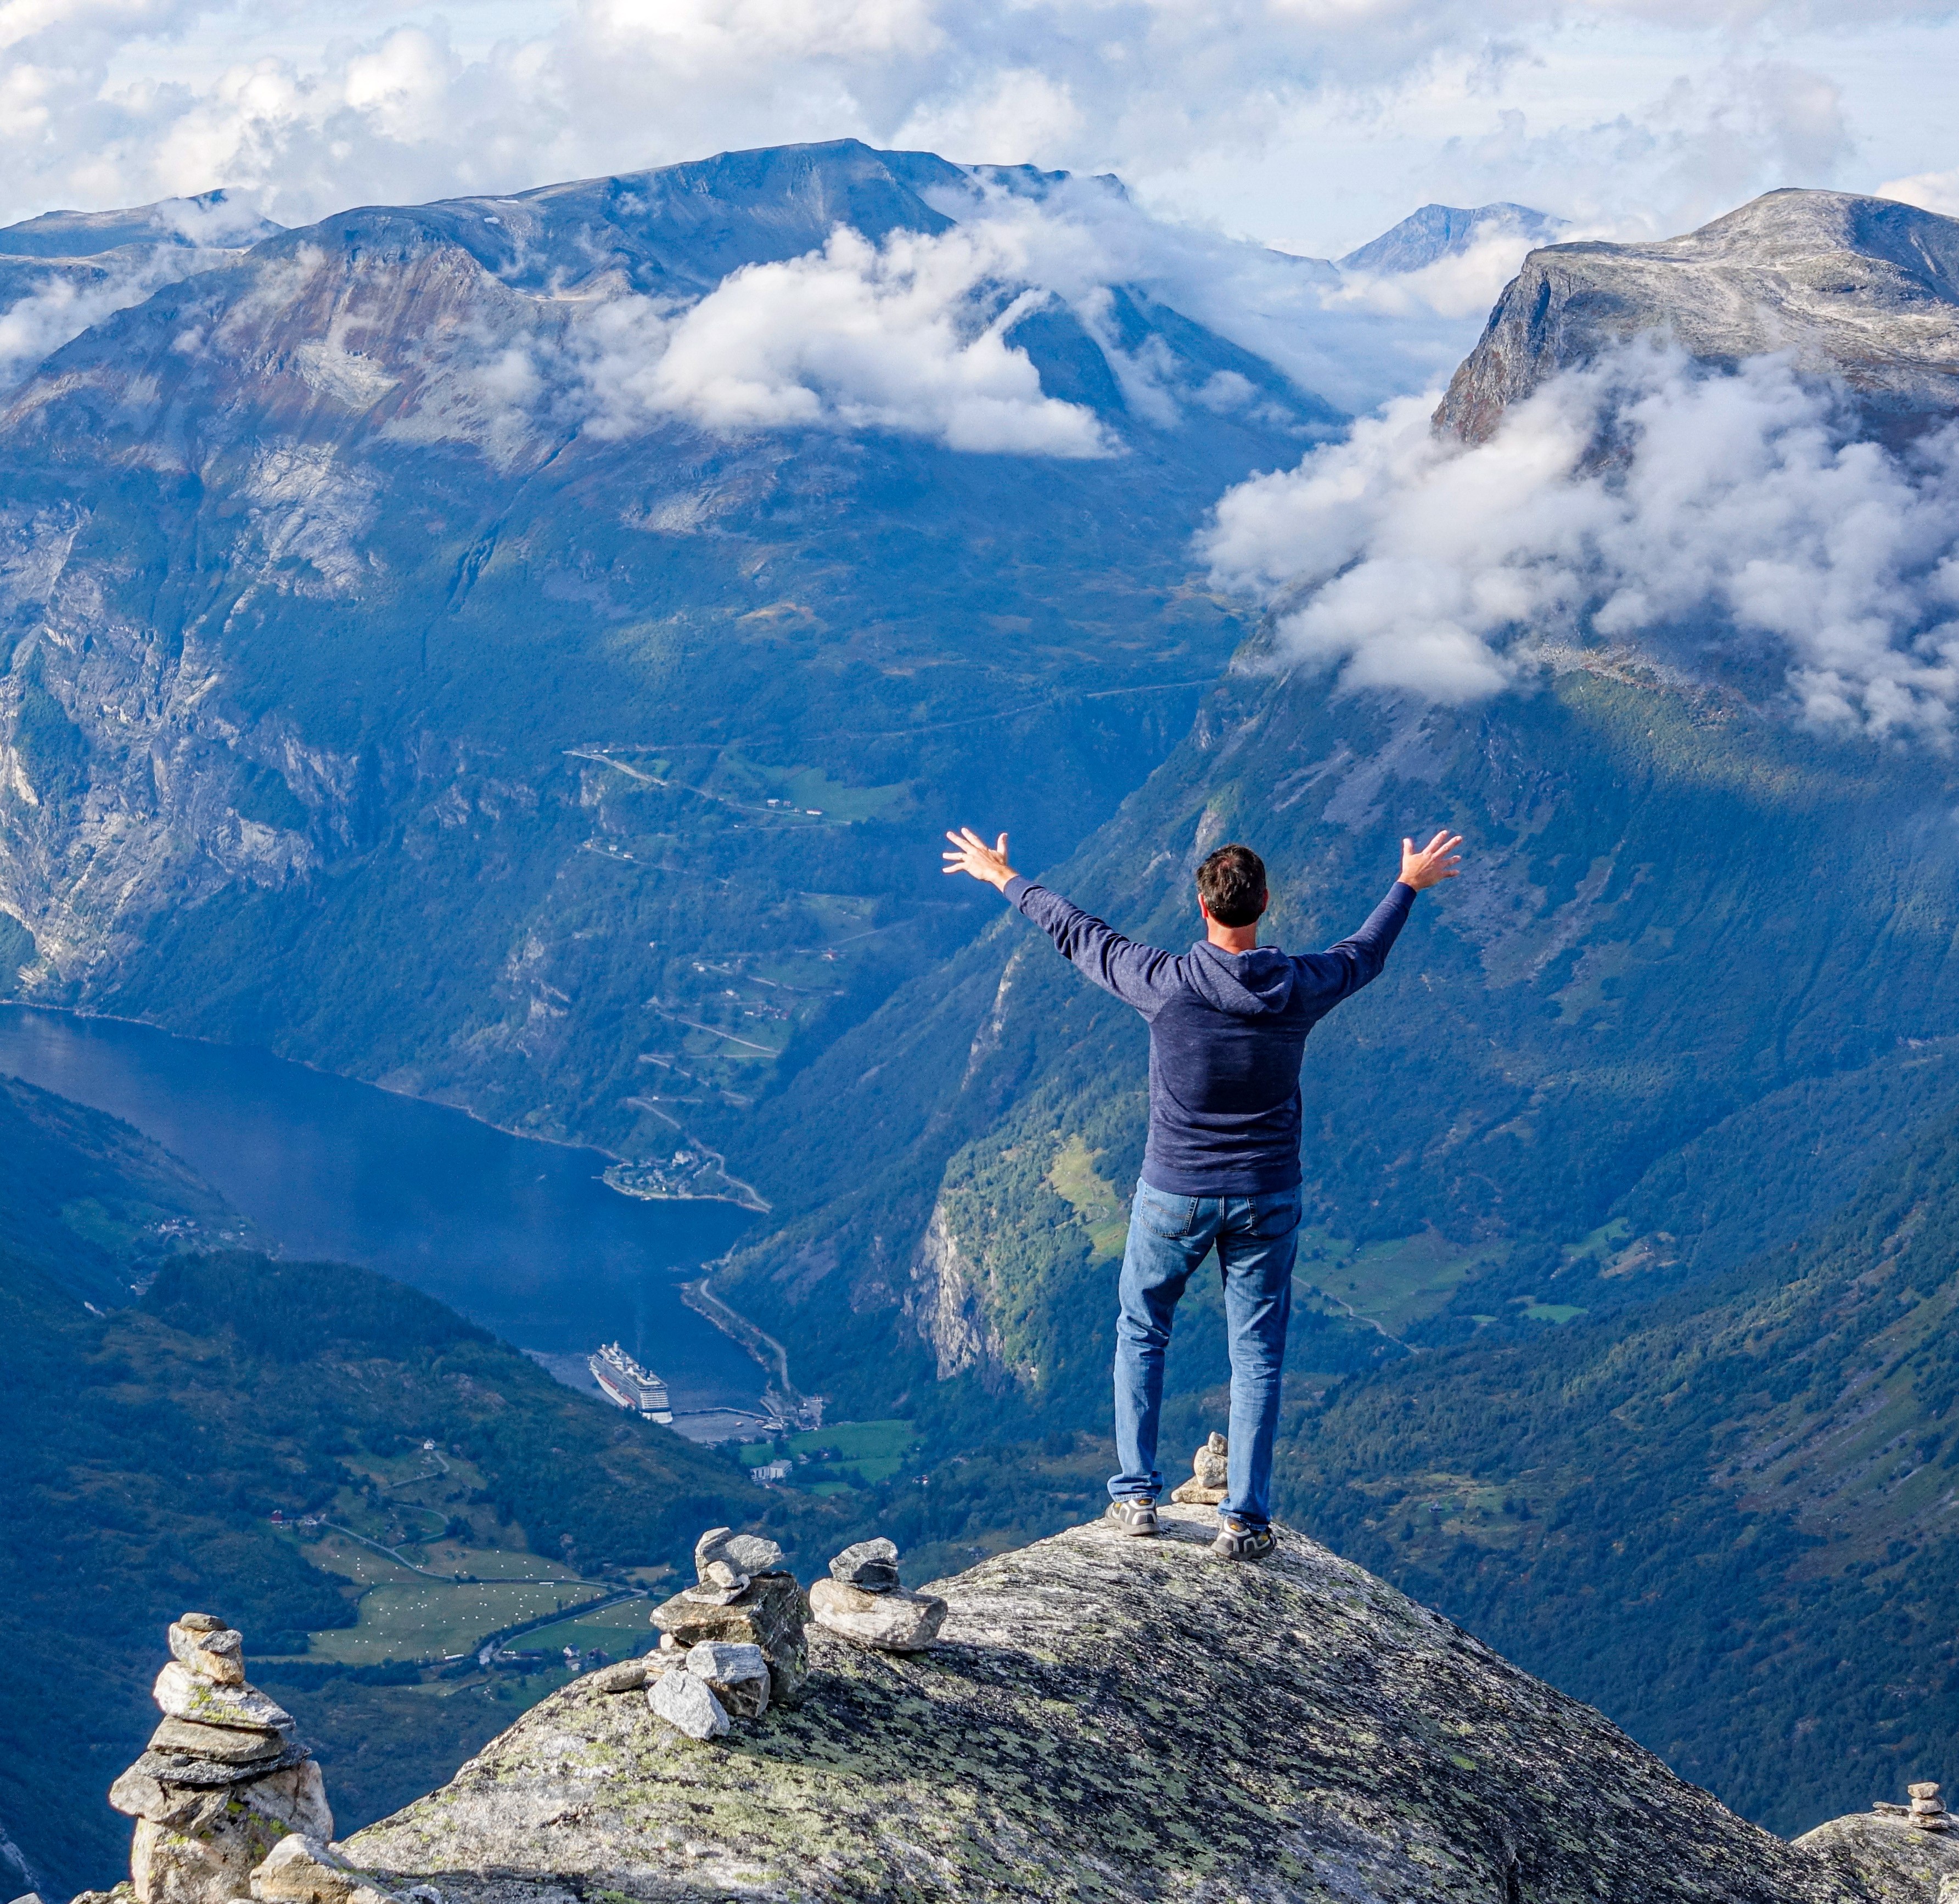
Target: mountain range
522,651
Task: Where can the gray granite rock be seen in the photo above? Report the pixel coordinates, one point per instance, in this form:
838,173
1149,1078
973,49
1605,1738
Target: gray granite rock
894,1622
871,1564
176,1769
738,1675
228,1744
217,1653
768,1612
303,1869
626,1676
1133,1719
689,1706
1886,1859
293,1797
184,1694
1860,289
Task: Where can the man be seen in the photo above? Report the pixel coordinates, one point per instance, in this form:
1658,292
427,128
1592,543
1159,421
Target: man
1228,1022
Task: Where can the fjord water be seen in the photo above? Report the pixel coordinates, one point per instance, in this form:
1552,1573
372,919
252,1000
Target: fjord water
522,1236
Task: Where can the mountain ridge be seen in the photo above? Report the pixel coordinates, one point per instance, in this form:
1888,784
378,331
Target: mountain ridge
1862,289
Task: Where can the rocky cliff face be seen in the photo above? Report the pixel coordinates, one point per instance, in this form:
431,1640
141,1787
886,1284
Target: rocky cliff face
1123,1719
1863,289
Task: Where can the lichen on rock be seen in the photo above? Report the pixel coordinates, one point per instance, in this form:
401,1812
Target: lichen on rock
1116,1719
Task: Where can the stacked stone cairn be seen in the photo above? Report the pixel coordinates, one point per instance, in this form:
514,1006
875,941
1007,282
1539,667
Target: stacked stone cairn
223,1779
227,1804
730,1646
1926,1811
862,1601
1208,1485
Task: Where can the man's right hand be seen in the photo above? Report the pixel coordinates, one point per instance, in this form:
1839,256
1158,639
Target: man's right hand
972,854
1437,861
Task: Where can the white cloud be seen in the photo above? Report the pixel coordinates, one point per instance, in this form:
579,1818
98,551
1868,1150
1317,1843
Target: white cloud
854,337
1313,122
1741,508
1934,191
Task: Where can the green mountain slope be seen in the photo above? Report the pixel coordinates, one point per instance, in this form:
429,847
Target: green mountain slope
1726,1518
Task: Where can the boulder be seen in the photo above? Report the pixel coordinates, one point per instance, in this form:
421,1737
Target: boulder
208,1860
688,1705
215,1654
228,1744
627,1675
305,1870
292,1796
892,1622
871,1565
736,1674
182,1695
767,1612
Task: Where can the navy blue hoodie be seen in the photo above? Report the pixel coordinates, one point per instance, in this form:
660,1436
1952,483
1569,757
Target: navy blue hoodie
1228,1036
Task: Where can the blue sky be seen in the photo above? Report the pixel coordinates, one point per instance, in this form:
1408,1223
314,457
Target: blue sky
1306,124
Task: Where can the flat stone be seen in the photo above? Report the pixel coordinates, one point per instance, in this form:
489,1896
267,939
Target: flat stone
1195,1493
687,1704
200,1623
1926,1791
184,1694
719,1584
627,1676
216,1654
737,1674
228,1744
751,1554
304,1870
176,1769
768,1613
893,1623
871,1564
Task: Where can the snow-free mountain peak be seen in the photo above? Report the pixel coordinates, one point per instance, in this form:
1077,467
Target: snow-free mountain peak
1438,231
1864,289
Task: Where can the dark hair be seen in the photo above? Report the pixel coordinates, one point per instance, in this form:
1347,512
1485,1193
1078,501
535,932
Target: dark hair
1232,884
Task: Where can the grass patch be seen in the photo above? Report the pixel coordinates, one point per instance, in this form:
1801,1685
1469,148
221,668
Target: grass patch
1096,1202
1394,1283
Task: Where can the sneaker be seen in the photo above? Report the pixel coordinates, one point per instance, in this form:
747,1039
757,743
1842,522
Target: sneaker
1134,1516
1236,1541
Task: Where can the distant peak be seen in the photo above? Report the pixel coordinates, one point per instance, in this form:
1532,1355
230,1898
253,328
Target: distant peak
1439,231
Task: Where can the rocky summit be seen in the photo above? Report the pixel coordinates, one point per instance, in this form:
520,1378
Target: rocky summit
1865,289
1119,1719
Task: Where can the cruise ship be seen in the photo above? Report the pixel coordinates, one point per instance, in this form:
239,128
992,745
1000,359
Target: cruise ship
628,1384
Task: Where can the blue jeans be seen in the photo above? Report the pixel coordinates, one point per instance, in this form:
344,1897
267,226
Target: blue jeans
1256,1238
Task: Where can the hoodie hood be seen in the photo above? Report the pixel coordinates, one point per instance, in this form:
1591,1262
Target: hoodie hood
1248,985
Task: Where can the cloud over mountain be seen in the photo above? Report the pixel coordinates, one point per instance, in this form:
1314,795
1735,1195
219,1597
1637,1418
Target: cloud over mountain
1640,500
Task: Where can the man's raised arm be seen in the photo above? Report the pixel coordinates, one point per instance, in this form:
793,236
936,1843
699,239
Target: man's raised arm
1133,972
1342,969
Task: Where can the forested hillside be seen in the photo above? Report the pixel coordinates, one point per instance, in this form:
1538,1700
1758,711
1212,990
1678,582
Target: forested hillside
1724,1518
145,1449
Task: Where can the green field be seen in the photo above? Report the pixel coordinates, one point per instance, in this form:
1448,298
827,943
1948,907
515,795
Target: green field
620,1630
1391,1284
826,1459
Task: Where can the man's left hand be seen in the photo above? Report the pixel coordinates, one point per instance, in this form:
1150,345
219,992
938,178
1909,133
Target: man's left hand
972,854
